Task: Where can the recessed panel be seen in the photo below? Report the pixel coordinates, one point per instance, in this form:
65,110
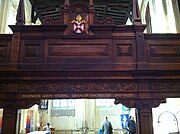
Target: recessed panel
164,51
77,50
124,50
4,52
32,50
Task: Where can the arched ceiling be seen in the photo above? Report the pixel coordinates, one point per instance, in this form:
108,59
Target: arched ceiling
119,10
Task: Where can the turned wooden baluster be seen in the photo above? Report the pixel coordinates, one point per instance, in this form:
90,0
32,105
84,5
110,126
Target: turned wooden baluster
136,13
91,12
66,12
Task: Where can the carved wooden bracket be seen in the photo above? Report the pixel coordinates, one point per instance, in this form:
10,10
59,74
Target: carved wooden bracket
144,103
18,104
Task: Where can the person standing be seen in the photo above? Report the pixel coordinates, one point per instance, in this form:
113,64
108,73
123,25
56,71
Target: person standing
48,127
131,125
107,127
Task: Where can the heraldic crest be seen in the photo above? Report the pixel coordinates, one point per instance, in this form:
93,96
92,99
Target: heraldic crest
78,24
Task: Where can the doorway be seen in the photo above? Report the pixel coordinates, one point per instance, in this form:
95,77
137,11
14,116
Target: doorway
77,116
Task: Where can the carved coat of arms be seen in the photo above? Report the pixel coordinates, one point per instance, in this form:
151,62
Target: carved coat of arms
78,25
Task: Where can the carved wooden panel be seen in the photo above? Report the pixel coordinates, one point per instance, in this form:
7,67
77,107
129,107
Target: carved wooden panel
170,51
78,51
18,104
125,51
31,51
4,51
165,86
77,86
163,51
141,103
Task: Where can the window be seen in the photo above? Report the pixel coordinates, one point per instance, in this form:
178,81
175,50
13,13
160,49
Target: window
105,102
63,107
63,103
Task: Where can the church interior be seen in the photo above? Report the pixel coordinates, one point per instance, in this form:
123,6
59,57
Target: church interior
67,72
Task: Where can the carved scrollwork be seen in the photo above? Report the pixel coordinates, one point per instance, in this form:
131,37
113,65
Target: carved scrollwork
149,103
165,86
144,103
107,20
127,103
79,8
18,104
76,86
52,21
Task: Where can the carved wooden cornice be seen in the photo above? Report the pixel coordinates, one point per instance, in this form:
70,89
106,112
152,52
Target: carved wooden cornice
114,88
164,85
88,85
77,86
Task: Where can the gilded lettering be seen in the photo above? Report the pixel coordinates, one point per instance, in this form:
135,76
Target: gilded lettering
86,95
100,95
61,95
31,95
47,96
77,95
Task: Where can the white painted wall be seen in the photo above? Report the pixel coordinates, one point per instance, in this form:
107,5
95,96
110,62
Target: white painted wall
164,15
167,120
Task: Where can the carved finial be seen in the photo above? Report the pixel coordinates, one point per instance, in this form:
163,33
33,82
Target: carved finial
136,13
66,11
66,3
20,18
91,3
91,11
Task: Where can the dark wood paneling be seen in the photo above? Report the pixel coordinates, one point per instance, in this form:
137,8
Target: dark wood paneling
31,51
164,52
79,51
125,51
5,44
